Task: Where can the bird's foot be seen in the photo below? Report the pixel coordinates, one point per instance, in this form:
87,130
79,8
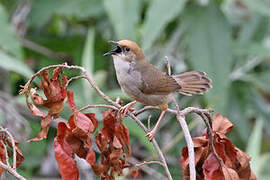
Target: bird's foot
123,110
151,135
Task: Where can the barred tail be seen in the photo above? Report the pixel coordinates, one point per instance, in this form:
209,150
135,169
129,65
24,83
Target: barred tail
193,82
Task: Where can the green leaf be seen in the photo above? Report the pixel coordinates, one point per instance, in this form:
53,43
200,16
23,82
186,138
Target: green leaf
159,14
262,80
42,11
237,108
100,78
88,62
254,29
263,161
12,64
254,146
8,39
137,131
258,161
260,107
2,116
124,15
258,6
250,48
208,37
114,93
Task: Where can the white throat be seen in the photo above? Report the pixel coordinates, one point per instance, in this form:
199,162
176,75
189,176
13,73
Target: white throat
126,73
120,65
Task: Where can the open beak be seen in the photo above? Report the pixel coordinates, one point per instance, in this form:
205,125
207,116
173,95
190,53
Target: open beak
116,50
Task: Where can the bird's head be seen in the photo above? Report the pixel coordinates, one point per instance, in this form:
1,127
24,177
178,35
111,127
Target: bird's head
126,50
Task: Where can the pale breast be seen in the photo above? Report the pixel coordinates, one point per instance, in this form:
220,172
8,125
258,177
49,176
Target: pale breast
130,81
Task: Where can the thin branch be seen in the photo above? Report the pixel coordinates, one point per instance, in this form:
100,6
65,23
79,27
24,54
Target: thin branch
210,134
183,112
74,78
191,155
98,106
26,87
168,65
152,172
115,105
207,119
7,167
199,111
181,119
3,130
45,51
156,146
148,122
204,113
11,171
85,75
149,162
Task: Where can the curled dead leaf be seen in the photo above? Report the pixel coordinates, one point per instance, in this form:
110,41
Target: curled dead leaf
55,92
235,163
113,142
221,124
64,154
75,136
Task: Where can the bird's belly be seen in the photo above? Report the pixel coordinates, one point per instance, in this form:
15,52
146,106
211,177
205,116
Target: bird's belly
130,81
127,77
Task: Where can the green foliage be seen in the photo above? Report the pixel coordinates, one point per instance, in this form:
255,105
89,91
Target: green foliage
124,15
42,11
258,160
258,6
210,49
8,39
13,64
88,62
229,40
160,13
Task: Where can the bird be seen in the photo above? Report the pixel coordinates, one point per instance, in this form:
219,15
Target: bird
146,84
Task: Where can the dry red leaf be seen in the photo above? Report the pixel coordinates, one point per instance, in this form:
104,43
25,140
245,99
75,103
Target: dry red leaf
74,137
135,173
221,124
7,143
83,124
64,154
236,163
229,174
68,143
55,92
113,142
19,155
2,157
211,168
200,155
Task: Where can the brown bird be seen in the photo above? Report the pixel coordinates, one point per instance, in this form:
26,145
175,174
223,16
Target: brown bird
146,84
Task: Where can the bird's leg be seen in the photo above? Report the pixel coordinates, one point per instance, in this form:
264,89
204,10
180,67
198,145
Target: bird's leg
124,109
152,133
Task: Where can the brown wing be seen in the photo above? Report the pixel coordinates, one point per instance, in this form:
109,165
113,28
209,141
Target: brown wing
156,82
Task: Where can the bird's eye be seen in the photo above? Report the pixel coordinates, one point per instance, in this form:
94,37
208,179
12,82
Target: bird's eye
127,49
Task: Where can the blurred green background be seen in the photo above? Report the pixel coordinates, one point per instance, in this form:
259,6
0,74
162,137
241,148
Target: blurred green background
228,39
